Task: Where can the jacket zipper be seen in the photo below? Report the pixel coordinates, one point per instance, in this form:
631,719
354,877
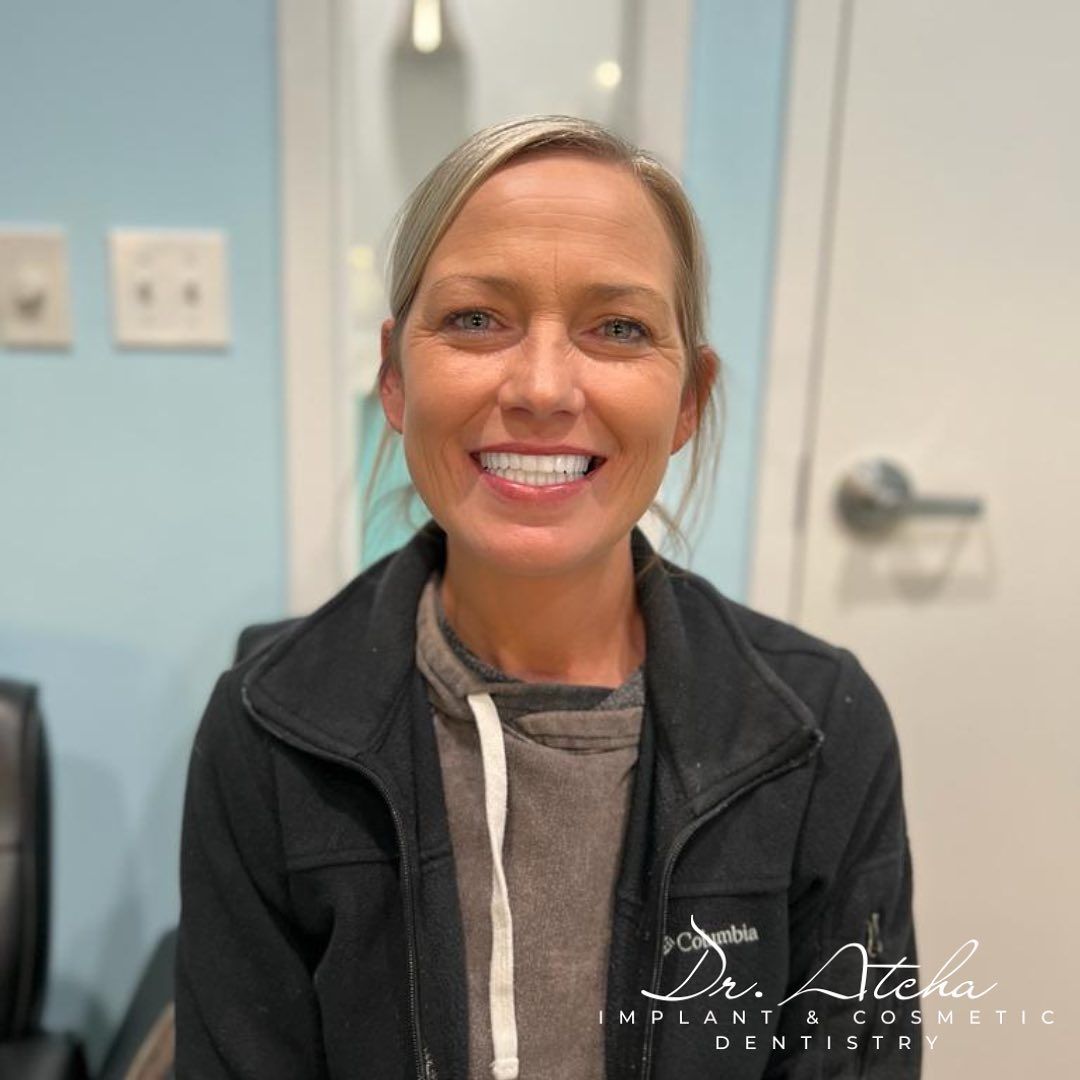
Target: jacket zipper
669,864
422,1059
874,948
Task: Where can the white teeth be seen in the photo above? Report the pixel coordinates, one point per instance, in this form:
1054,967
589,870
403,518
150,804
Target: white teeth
538,470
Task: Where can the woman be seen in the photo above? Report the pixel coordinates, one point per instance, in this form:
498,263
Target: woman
525,799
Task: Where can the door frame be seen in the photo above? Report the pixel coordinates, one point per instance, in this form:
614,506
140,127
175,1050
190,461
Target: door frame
813,136
317,467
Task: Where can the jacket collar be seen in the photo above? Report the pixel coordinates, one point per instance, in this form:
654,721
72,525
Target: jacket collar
336,680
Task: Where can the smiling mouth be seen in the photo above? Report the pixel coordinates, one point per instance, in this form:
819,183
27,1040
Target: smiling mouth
538,470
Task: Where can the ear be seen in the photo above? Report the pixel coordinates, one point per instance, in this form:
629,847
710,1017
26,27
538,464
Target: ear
391,388
695,393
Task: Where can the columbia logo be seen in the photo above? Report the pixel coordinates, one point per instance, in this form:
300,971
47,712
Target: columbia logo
689,941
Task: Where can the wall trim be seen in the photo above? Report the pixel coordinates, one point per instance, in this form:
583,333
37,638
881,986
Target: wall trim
315,474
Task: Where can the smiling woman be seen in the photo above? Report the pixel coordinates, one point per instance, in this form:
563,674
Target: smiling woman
627,269
489,793
543,326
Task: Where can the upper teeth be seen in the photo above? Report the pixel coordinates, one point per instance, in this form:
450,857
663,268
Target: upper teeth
537,463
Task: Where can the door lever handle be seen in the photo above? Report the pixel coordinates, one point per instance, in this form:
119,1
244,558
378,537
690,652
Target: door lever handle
876,494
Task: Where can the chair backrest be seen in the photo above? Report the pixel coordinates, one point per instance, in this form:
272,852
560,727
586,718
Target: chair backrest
24,859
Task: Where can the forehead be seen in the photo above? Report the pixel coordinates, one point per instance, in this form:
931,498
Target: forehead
564,204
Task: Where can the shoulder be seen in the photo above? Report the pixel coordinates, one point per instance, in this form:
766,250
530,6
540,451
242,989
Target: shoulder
358,595
828,677
831,672
225,739
854,810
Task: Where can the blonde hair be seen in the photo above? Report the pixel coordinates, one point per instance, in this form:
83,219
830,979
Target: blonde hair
436,201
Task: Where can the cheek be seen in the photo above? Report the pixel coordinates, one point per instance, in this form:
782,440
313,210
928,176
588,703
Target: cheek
432,401
648,413
439,411
442,385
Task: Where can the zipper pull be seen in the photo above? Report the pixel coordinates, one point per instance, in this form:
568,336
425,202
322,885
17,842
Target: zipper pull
430,1072
874,945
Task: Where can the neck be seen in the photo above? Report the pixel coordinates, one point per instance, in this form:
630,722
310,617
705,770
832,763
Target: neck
581,628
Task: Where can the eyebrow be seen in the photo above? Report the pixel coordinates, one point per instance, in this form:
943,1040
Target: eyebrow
598,290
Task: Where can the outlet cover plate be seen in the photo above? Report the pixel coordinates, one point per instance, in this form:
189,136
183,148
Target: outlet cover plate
170,288
35,291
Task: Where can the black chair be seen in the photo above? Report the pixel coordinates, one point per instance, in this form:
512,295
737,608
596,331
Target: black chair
27,1052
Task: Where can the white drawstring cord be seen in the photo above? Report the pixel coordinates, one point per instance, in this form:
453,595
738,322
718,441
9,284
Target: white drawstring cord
503,1021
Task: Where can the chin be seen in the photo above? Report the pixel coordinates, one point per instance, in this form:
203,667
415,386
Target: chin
535,550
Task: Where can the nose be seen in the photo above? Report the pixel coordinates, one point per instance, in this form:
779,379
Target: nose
543,376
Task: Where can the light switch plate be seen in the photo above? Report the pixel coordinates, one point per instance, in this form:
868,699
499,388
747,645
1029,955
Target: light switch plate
170,288
35,292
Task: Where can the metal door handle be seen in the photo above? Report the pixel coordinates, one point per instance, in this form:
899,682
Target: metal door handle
877,494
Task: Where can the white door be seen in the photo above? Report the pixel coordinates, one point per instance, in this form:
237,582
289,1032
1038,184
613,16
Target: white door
928,312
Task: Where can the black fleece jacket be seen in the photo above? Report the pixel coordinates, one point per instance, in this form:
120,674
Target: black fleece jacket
320,934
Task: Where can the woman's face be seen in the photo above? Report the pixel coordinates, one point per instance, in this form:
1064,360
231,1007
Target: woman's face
544,326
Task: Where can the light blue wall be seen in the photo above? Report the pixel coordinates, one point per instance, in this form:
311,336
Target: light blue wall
141,493
732,166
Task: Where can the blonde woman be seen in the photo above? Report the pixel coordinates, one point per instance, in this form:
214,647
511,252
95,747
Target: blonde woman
526,799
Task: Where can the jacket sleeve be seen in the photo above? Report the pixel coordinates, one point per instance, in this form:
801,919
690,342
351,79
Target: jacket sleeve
858,905
245,1001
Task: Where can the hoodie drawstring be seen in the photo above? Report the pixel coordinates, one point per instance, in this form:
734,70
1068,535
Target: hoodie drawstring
501,998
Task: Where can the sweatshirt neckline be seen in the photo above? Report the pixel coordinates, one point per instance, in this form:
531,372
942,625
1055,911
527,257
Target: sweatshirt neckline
561,714
491,674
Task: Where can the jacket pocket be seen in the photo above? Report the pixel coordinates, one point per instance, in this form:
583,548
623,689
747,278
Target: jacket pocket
724,966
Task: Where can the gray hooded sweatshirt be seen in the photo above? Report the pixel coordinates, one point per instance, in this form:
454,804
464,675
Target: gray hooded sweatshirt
537,779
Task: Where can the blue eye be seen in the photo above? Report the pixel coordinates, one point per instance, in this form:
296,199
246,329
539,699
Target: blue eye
626,329
470,321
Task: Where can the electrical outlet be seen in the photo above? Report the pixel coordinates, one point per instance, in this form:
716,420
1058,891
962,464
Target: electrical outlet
35,299
170,288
